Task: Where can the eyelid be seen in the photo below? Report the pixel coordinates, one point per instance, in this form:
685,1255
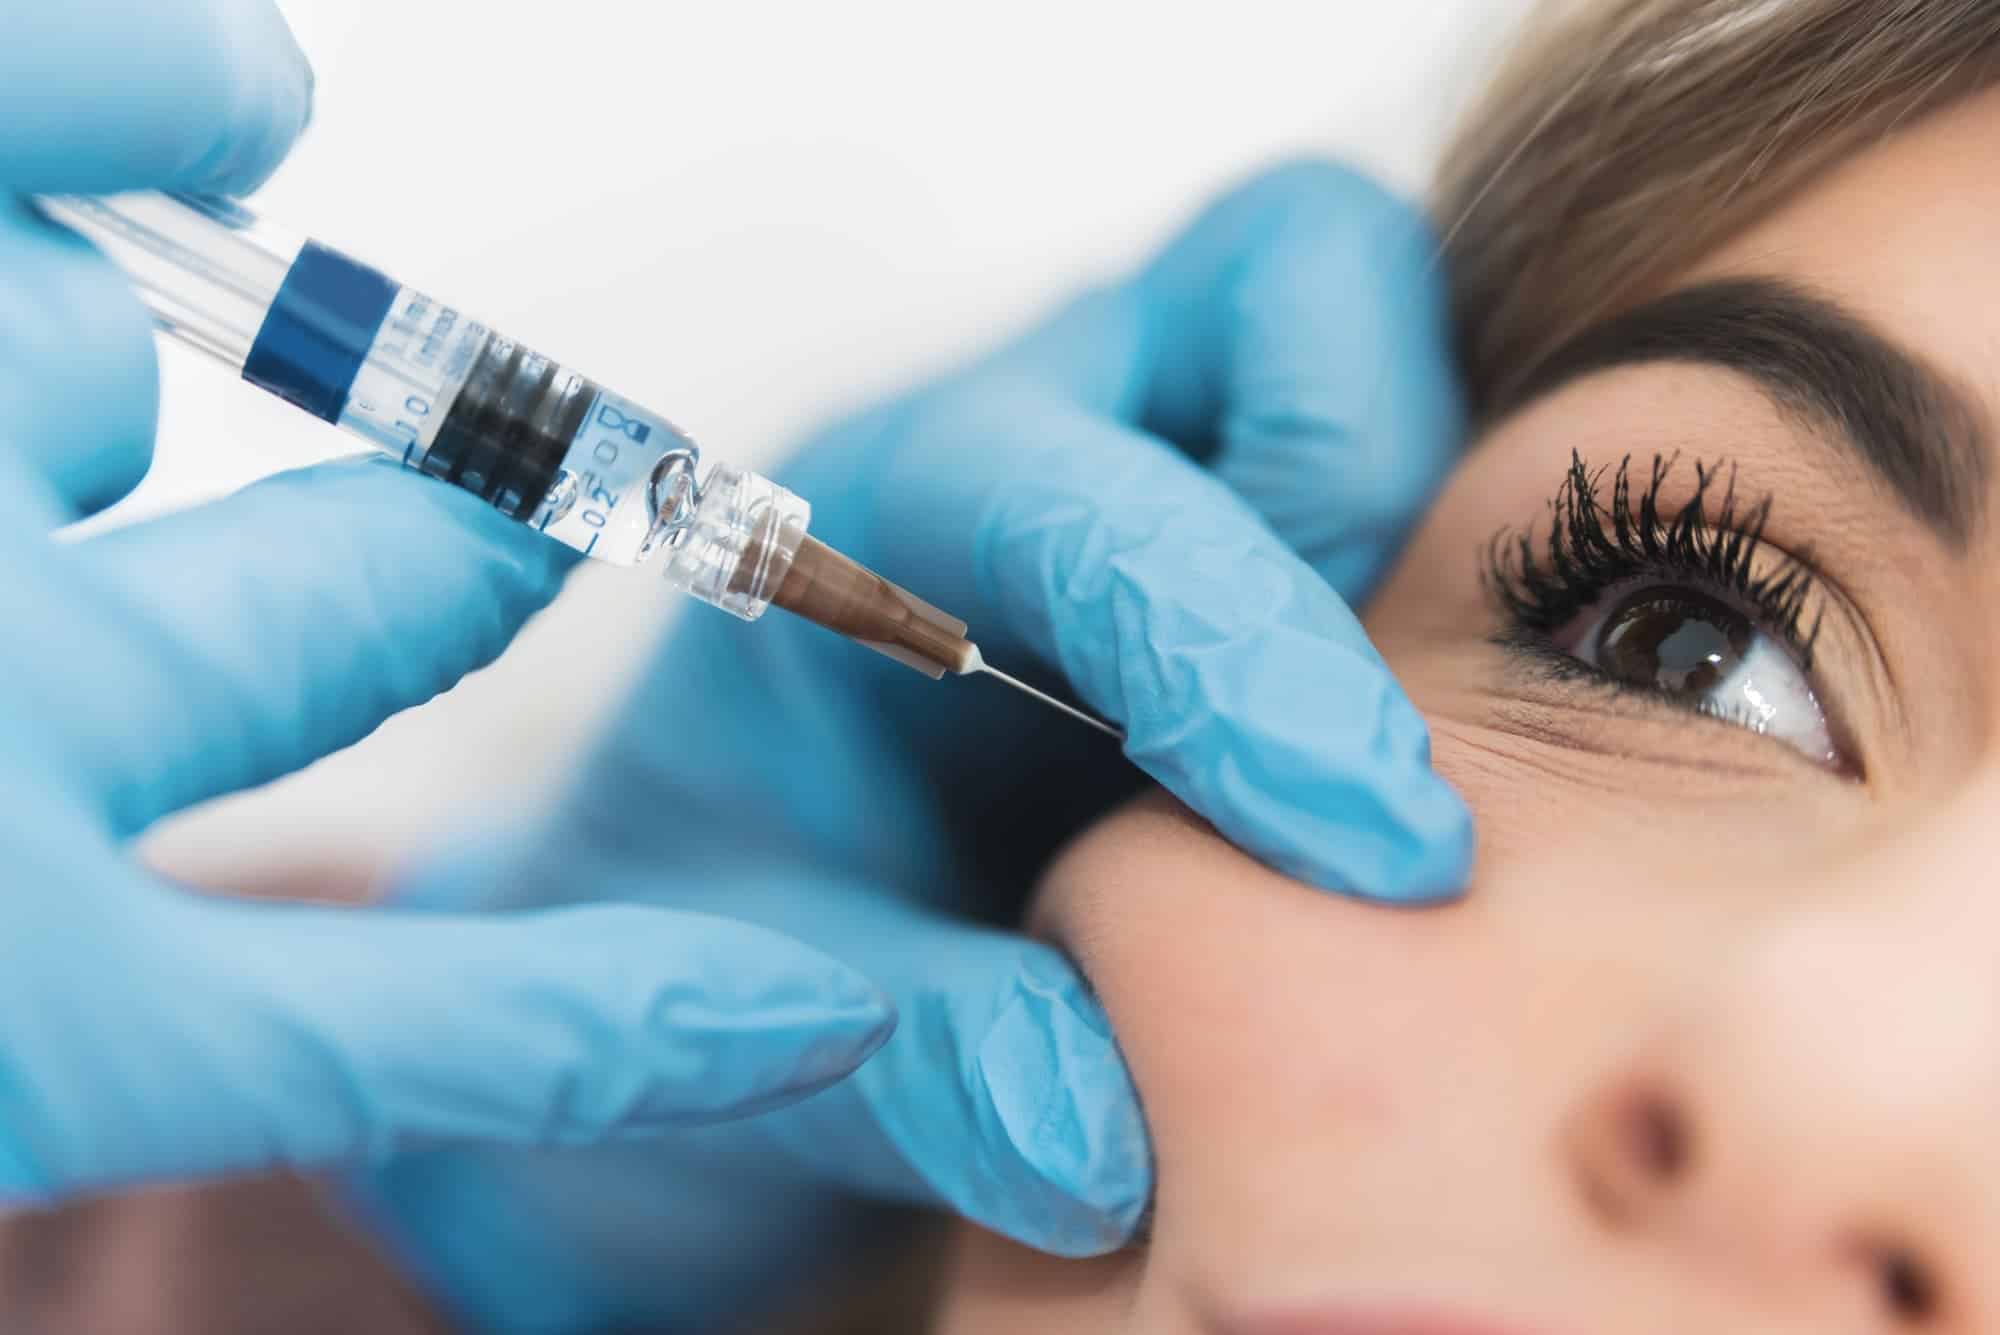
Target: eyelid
1607,602
1570,639
1838,608
1611,529
1563,723
1556,666
1567,643
1582,639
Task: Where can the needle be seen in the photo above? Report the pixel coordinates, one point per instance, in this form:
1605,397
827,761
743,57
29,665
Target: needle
978,664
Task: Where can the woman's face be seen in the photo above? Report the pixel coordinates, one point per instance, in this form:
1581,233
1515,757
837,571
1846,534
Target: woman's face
1714,1043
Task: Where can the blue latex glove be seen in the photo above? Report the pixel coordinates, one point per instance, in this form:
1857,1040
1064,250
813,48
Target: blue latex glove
1168,491
151,1033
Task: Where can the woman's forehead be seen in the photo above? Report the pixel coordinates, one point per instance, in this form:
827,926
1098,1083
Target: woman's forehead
1902,236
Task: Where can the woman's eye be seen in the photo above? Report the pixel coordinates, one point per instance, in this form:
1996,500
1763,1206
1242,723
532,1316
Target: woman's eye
1686,644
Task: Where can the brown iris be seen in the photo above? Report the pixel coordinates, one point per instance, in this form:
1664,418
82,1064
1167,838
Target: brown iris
1673,640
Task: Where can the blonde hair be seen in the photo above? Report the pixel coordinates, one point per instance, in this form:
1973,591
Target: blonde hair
1627,137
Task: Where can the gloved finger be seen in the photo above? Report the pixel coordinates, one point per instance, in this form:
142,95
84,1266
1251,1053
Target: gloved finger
1295,337
1007,1102
1245,684
105,95
79,381
1001,1095
1330,386
261,1034
237,641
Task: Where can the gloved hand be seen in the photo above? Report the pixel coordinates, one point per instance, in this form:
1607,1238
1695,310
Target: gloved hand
1168,492
148,1032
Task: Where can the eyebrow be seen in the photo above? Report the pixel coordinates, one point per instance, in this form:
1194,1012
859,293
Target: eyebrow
1907,422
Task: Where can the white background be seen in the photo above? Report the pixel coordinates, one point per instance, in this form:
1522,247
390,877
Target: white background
747,216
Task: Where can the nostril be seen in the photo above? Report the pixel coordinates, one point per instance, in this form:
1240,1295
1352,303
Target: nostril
1635,1148
1907,1287
1658,1136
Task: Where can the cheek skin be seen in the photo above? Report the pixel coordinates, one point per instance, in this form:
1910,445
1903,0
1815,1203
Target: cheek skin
1277,1034
1176,929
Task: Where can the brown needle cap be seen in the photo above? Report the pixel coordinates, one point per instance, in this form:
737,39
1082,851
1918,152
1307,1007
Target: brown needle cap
849,599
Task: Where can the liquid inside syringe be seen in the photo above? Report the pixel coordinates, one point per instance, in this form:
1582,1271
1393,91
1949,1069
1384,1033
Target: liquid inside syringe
462,403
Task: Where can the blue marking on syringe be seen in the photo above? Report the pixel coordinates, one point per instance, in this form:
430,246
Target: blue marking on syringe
318,331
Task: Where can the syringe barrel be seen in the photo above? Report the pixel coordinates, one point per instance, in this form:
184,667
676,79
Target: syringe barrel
208,270
447,395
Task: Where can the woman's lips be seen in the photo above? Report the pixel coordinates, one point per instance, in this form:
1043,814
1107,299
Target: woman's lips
1372,1321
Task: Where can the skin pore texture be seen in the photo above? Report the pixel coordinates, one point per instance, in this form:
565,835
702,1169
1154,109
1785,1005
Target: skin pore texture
1714,1043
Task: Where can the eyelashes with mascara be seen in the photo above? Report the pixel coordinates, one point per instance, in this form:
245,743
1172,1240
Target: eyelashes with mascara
1593,547
1688,609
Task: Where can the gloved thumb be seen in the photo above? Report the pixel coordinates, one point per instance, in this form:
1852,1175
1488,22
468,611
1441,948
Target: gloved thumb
1001,1096
297,1035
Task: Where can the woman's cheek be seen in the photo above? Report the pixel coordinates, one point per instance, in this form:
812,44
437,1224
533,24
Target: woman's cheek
1257,1012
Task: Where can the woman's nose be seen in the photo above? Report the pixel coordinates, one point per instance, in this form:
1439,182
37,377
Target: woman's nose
1811,1125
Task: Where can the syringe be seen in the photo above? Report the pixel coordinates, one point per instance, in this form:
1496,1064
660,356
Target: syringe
460,402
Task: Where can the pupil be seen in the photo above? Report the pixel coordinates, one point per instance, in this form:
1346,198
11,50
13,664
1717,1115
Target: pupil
1673,640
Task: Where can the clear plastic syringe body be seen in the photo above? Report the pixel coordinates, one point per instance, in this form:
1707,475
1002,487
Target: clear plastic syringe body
456,400
453,399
